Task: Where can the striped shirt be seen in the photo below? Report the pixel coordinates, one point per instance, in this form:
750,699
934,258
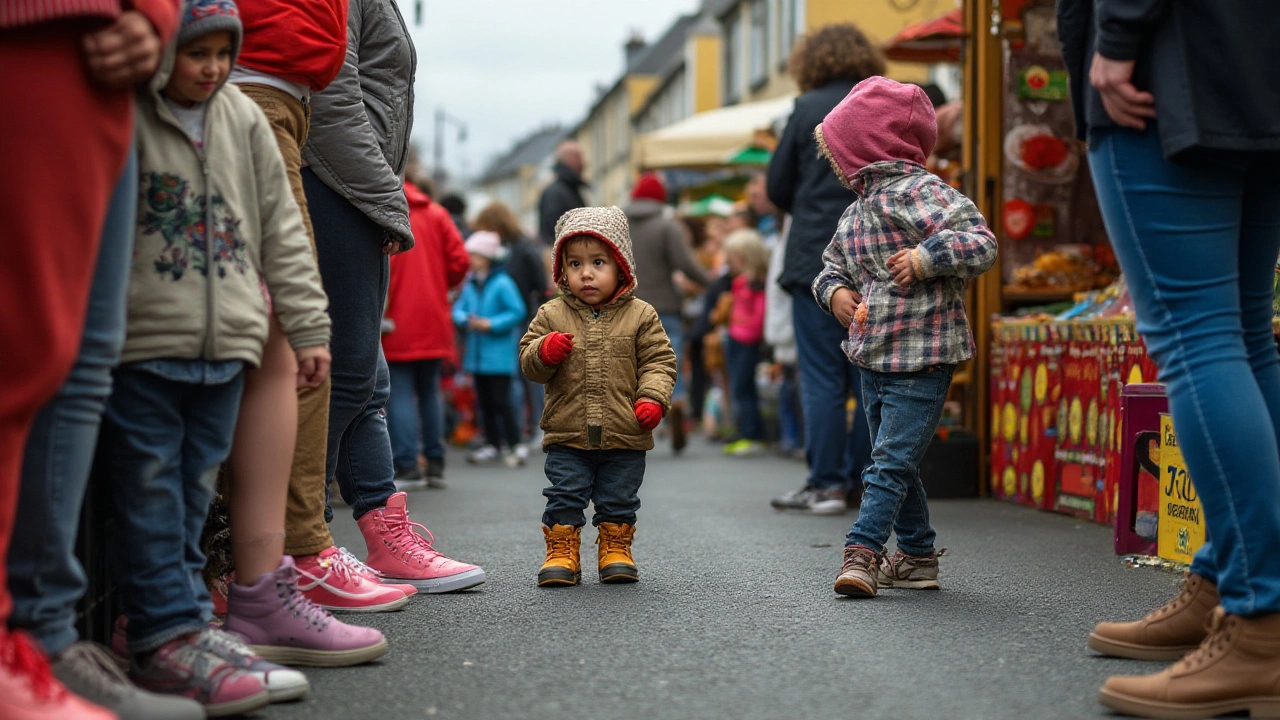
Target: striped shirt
903,206
18,13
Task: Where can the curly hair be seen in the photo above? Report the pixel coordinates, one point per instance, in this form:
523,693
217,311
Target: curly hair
836,52
498,218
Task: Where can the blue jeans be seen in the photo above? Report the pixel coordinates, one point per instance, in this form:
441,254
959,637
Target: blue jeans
903,410
742,360
789,427
836,453
415,415
527,395
355,274
608,478
169,425
673,324
45,578
1198,246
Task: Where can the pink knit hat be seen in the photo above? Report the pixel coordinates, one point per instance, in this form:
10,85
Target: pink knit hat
880,119
485,244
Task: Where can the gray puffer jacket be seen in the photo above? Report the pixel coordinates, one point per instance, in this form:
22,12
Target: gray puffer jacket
360,124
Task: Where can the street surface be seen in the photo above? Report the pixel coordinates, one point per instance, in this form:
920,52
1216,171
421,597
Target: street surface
734,616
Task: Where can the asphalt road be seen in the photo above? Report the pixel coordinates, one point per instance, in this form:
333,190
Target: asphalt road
734,616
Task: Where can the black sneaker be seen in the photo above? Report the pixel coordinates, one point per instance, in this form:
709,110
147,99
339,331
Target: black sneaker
409,478
676,419
795,500
435,473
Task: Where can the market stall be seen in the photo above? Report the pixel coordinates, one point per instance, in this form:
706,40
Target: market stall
715,138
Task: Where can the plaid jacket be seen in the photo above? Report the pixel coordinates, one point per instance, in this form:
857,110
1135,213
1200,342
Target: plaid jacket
902,206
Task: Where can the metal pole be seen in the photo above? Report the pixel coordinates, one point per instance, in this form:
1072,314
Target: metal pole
438,170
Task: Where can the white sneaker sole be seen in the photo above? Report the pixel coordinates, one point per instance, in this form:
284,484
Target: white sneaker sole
284,685
436,586
238,707
320,658
828,508
410,484
384,607
910,584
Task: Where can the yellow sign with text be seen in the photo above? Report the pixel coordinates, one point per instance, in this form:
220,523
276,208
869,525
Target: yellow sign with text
1181,524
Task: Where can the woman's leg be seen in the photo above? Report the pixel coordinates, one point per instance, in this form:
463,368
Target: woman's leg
431,409
402,414
505,414
486,392
1181,235
261,457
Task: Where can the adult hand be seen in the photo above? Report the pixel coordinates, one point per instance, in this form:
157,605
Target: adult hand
313,365
124,53
391,246
648,413
555,347
901,269
844,302
1125,104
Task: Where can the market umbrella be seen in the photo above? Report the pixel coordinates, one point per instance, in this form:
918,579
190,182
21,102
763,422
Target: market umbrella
711,205
708,139
931,41
750,156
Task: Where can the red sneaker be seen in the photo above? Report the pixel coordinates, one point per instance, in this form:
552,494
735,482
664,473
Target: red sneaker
28,690
332,585
400,553
349,559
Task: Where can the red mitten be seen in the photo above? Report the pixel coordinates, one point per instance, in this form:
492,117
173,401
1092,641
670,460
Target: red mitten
649,413
556,346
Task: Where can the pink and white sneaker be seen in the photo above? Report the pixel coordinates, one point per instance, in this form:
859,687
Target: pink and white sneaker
349,559
331,584
401,555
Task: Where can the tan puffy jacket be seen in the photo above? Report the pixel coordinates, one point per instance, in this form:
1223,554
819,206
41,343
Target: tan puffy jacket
620,352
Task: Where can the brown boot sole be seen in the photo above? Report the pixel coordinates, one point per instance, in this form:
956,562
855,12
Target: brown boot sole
619,573
855,589
1134,651
558,577
1257,707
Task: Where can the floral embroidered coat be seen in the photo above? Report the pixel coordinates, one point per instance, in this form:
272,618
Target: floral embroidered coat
217,228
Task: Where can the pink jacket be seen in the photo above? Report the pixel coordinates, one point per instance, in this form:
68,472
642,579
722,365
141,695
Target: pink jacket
746,323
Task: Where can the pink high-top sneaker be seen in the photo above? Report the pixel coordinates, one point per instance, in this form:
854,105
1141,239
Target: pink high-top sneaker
281,625
401,555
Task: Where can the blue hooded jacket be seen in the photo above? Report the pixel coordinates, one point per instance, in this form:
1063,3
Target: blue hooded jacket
496,299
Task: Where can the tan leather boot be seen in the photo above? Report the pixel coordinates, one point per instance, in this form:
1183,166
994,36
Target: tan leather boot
616,563
1236,669
563,565
1166,633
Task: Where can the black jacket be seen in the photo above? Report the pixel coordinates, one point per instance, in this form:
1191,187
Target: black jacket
562,195
526,267
1210,64
800,181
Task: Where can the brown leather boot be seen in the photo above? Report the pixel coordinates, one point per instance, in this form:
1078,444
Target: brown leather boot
563,565
1236,669
1166,633
616,563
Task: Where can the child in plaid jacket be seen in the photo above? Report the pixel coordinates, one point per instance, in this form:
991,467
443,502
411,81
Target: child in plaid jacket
895,275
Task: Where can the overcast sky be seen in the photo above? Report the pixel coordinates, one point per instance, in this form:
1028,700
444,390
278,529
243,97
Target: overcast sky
506,67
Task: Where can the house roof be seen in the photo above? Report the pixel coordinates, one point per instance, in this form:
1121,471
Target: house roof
529,150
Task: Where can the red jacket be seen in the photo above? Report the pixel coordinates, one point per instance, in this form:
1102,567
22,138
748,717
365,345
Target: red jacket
746,324
417,301
304,41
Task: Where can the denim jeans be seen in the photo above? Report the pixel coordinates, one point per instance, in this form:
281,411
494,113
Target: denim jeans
169,425
45,578
530,396
742,360
415,415
903,410
673,324
493,395
355,274
836,453
1198,246
608,478
789,416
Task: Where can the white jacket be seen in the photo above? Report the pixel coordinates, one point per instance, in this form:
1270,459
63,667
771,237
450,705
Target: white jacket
778,329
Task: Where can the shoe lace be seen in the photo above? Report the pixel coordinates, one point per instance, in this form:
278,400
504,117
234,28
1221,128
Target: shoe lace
348,558
859,559
1186,589
411,543
560,546
93,665
301,606
23,659
1221,628
225,645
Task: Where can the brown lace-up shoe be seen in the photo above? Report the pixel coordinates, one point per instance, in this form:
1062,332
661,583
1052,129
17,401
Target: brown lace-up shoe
1166,633
616,563
857,576
1236,669
563,565
914,572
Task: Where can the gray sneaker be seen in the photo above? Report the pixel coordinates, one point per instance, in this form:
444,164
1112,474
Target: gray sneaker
88,671
914,572
831,501
794,500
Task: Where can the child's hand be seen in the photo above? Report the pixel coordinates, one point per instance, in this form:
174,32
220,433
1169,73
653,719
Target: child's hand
478,324
649,413
844,303
860,315
556,346
900,265
313,365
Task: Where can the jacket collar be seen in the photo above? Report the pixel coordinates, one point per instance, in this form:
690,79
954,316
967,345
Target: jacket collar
567,174
865,180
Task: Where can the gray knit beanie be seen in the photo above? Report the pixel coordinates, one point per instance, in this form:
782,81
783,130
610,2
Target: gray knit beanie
201,17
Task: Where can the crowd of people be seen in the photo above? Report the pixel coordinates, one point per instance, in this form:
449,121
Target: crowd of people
252,291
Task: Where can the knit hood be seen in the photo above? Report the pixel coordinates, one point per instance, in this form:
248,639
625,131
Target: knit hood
606,224
199,17
880,120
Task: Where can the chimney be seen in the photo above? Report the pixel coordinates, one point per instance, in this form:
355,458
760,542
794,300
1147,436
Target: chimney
634,48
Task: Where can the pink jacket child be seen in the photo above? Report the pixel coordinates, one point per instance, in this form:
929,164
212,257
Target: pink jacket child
746,323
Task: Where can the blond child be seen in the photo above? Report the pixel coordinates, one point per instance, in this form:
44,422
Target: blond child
748,261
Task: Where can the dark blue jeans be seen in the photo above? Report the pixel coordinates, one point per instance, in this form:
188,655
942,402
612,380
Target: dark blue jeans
415,415
1198,245
836,453
45,578
527,397
608,478
673,324
355,274
169,425
903,410
742,360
